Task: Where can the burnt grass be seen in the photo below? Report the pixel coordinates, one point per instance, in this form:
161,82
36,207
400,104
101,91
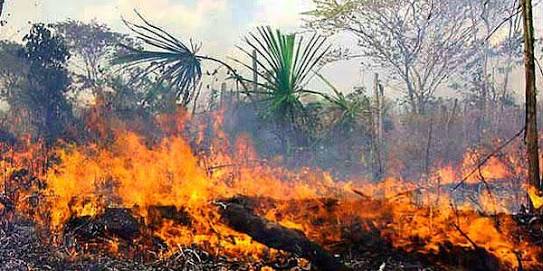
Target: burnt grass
25,246
22,247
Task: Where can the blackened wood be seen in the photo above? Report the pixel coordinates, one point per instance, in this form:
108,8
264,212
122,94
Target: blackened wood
157,214
473,259
242,219
114,222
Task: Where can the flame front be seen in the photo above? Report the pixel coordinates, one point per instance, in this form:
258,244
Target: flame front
414,216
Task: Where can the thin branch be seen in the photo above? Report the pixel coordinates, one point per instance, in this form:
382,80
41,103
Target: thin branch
517,12
475,246
539,66
255,162
487,158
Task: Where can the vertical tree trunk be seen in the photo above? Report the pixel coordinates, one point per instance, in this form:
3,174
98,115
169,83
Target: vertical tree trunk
531,103
377,127
255,71
381,126
1,7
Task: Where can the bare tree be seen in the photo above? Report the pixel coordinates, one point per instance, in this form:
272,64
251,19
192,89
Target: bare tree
491,59
421,41
531,102
484,16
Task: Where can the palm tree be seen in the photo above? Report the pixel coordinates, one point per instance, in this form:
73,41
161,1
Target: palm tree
175,63
286,63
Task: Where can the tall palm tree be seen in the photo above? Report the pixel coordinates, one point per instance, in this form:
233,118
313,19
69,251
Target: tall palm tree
286,63
172,61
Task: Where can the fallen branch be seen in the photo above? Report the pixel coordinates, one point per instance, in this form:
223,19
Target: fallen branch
242,219
114,222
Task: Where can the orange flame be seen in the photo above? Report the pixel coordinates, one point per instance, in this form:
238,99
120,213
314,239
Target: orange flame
138,175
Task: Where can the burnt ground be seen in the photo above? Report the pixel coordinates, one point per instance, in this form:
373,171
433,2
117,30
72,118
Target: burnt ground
22,249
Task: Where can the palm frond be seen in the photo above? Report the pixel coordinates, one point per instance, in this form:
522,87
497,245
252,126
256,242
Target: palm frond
284,62
173,62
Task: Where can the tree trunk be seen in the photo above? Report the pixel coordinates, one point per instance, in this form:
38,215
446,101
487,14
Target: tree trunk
531,103
1,7
378,128
255,71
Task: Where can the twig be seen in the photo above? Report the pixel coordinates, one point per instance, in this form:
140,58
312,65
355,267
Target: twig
538,65
475,246
489,191
211,168
361,194
503,22
484,161
519,260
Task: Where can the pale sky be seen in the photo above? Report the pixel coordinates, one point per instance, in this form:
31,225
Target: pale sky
218,24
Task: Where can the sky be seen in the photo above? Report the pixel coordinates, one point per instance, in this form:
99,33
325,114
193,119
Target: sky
219,24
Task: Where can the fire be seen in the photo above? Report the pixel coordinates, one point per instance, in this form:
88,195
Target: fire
535,197
176,190
492,169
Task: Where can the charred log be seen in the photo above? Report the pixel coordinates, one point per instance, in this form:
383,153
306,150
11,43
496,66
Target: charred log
157,214
114,222
240,217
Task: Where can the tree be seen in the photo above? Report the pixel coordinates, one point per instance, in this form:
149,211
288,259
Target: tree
493,57
91,46
48,81
13,70
13,80
531,135
486,17
284,64
421,41
128,98
352,124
